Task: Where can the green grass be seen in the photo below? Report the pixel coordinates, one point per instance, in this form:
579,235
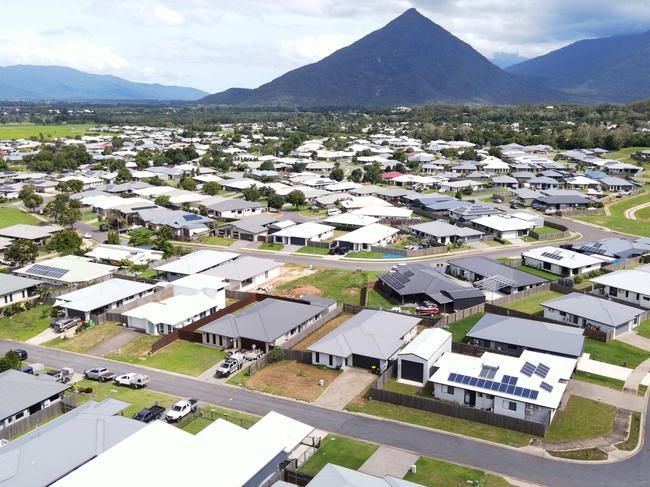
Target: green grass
89,215
220,241
26,324
13,216
87,339
461,328
538,272
643,214
313,214
633,438
440,422
148,274
617,220
586,455
434,473
339,451
365,255
507,259
235,417
179,356
625,155
582,418
545,230
615,352
240,378
271,246
393,386
312,250
26,131
599,379
642,390
644,329
137,398
532,304
496,243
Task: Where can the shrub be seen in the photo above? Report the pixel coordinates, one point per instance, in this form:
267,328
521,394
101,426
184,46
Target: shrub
276,355
578,279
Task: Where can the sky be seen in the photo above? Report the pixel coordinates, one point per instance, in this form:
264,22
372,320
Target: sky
217,44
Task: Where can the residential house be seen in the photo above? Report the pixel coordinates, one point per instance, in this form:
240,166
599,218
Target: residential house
365,238
246,272
118,253
563,198
303,233
612,183
415,362
14,289
350,221
234,209
193,263
490,275
39,234
65,270
184,225
629,285
503,226
444,233
472,212
615,248
562,262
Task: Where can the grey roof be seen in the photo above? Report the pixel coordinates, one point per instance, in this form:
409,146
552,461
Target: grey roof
103,294
412,279
242,268
252,224
488,267
504,179
29,232
234,204
53,450
543,180
266,320
531,334
594,309
620,248
613,181
197,261
173,218
442,228
448,204
527,193
563,199
336,476
371,333
475,210
10,283
21,390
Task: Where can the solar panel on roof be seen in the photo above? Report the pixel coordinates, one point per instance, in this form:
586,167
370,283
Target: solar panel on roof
534,394
510,389
519,391
47,271
473,381
488,372
547,387
481,383
503,387
528,369
466,379
542,370
452,377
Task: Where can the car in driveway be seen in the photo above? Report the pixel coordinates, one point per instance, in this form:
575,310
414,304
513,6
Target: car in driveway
253,354
228,367
60,325
147,415
181,409
101,374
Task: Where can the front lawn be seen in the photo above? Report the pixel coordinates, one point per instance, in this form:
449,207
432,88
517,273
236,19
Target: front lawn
271,246
538,272
582,418
137,398
211,413
215,240
393,386
461,328
545,230
86,340
615,352
313,250
366,255
341,451
434,473
179,356
644,329
26,324
14,216
532,304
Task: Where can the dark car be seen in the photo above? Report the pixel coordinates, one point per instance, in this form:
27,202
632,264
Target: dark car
147,415
103,227
22,354
514,205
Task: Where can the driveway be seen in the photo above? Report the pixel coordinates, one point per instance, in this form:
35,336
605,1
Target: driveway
389,461
115,342
345,388
635,340
586,364
607,395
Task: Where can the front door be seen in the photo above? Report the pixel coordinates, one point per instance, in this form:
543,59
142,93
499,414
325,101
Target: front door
470,398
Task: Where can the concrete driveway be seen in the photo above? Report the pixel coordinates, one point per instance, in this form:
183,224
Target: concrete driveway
115,342
345,388
389,461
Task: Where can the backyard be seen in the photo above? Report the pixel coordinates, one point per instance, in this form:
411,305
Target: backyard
26,324
532,304
615,352
339,451
87,339
460,328
322,331
14,216
538,272
179,356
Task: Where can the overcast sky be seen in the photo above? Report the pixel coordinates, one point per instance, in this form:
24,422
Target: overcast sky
217,44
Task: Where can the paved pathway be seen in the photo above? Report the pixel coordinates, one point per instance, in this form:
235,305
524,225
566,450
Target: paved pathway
635,340
630,213
619,399
586,364
345,388
389,461
636,377
113,343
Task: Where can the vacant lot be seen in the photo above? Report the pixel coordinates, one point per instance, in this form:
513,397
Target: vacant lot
615,352
339,451
26,324
617,221
219,241
432,473
26,131
13,216
532,304
179,356
322,331
292,379
87,339
582,418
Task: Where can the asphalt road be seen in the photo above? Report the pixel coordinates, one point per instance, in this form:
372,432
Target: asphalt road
507,461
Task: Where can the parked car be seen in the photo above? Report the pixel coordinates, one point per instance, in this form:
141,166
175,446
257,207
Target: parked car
514,205
34,369
497,200
64,375
60,325
103,227
253,354
22,354
427,308
181,409
132,379
333,212
87,235
147,415
227,367
101,374
550,211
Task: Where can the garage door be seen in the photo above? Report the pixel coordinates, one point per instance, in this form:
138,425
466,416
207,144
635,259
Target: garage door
364,362
247,344
412,371
298,241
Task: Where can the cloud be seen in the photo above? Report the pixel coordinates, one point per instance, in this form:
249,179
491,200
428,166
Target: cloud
165,15
311,48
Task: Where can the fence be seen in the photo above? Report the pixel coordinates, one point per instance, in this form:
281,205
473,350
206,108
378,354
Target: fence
288,354
115,314
477,351
211,415
439,249
319,245
460,315
562,232
508,298
581,211
301,335
35,419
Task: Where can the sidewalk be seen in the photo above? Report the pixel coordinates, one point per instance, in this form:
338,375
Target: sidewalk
607,395
586,364
636,377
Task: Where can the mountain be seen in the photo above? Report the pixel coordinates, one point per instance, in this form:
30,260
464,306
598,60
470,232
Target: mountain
506,59
409,61
33,83
613,69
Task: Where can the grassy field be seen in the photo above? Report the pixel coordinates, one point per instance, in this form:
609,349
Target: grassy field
322,331
366,255
87,339
393,386
601,380
531,304
615,352
461,328
434,473
643,214
538,272
545,230
582,418
312,250
220,241
339,451
26,131
179,356
625,155
26,324
292,379
13,216
138,398
644,329
271,246
617,220
235,417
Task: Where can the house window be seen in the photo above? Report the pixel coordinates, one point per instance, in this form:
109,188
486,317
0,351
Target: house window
317,357
448,390
511,405
546,266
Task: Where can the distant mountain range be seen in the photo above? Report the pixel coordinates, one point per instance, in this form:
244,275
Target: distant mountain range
39,83
611,69
410,61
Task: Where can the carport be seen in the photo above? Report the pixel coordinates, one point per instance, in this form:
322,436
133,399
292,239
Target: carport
364,362
248,343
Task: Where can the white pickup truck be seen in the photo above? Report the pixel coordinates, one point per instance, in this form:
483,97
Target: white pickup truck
132,379
181,409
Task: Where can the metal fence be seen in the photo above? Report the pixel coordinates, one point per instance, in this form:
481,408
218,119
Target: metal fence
210,415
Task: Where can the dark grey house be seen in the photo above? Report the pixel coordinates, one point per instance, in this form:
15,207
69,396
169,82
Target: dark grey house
617,248
491,275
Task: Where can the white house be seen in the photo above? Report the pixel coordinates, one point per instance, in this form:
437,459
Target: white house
14,289
503,226
416,360
246,272
364,238
560,261
69,269
118,253
303,233
629,285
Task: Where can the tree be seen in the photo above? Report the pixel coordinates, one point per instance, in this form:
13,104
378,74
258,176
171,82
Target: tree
495,151
162,200
162,242
140,237
296,198
356,175
337,174
21,252
113,238
212,188
372,174
469,154
116,219
11,360
123,175
70,186
275,201
30,199
251,193
66,242
267,166
64,210
298,167
188,184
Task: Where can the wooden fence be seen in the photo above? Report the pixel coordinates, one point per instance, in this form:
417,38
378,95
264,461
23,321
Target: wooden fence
461,314
562,232
508,298
115,314
301,335
289,354
37,418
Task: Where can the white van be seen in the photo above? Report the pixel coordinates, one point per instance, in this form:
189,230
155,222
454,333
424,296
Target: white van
333,212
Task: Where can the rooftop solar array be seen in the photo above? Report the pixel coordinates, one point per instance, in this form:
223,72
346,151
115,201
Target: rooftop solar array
546,386
552,255
542,370
398,279
528,369
47,271
503,387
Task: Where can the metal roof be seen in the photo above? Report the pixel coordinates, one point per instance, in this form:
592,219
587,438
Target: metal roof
594,309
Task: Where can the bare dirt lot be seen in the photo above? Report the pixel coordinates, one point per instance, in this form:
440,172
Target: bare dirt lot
322,331
288,272
296,292
292,379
